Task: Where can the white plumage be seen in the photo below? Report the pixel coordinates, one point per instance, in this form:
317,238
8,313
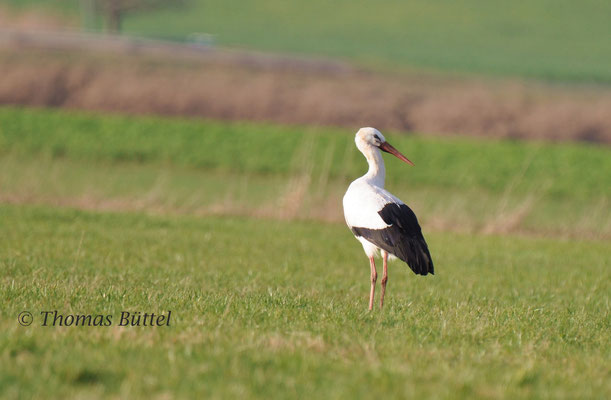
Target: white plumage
363,201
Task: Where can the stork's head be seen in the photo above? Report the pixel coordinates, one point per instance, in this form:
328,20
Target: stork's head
367,138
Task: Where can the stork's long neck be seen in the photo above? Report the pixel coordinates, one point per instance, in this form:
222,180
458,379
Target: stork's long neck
377,172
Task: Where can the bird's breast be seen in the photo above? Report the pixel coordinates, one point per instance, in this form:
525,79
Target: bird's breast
362,202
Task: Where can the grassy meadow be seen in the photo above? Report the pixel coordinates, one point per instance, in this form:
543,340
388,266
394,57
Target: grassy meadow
237,229
556,40
266,308
204,167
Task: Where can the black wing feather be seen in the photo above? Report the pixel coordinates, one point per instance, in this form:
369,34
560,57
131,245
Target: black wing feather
403,238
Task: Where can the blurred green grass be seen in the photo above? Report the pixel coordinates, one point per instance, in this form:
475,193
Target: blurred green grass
555,40
570,170
276,309
197,166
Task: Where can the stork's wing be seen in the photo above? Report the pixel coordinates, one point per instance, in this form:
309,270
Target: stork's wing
402,237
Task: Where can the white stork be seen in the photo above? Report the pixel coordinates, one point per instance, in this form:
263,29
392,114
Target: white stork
379,220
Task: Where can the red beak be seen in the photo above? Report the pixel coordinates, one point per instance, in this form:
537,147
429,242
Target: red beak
389,149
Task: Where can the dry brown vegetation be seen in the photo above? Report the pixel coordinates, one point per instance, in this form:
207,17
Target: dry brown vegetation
120,75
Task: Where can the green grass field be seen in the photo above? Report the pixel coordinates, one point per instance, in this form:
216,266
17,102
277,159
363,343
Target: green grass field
191,166
103,214
556,40
268,309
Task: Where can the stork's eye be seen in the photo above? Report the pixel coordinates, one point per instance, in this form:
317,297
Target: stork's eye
376,137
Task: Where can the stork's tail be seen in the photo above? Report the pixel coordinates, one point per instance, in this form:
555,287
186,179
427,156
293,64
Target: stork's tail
420,260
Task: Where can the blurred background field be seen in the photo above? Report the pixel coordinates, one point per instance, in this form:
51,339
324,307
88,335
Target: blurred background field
193,155
150,164
561,40
533,70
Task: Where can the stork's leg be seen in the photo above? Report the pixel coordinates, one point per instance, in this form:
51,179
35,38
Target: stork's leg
384,277
374,278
